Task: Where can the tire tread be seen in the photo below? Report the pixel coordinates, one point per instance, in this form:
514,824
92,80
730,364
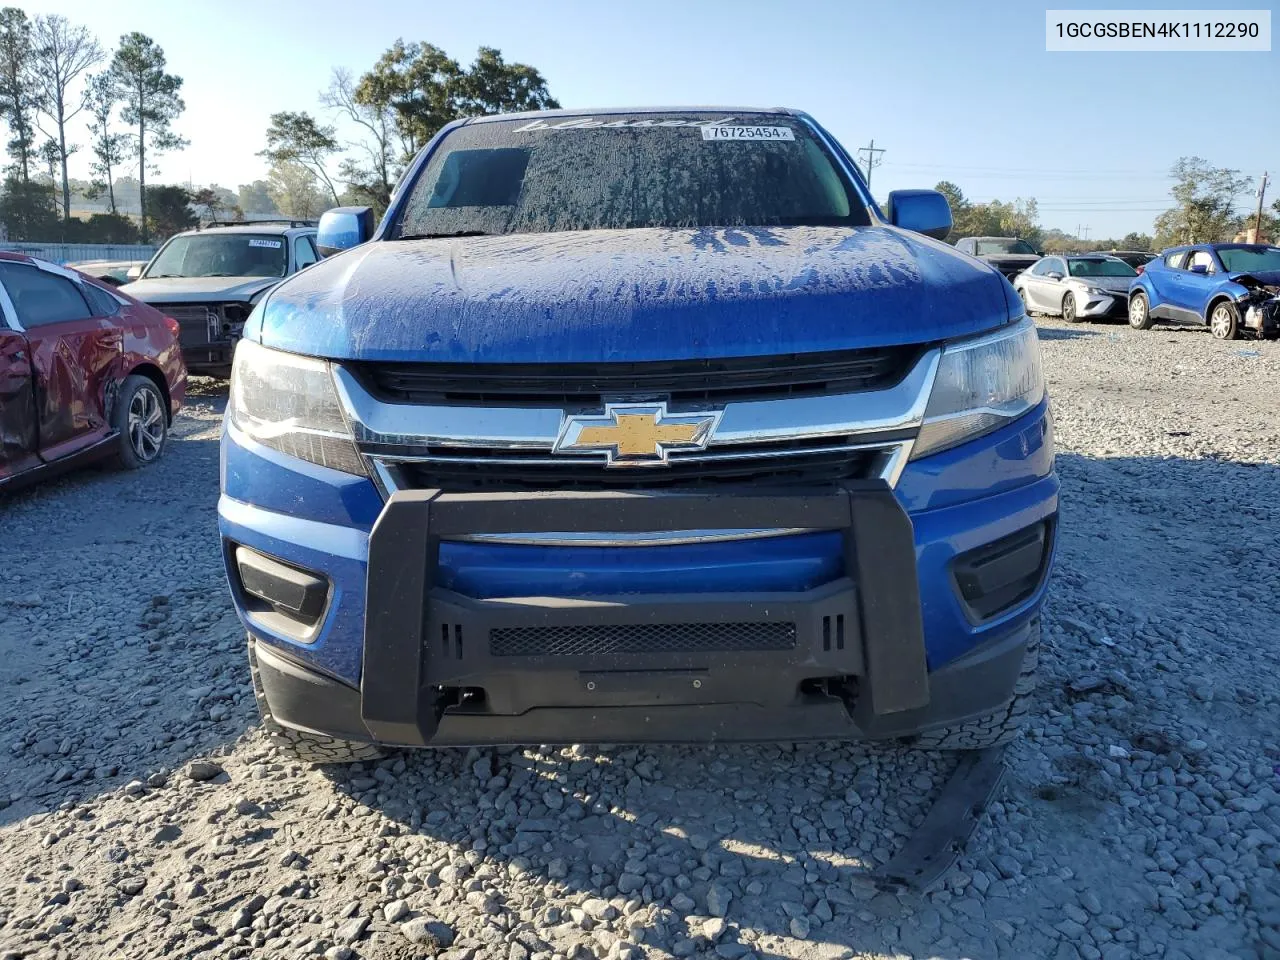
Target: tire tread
307,747
1000,726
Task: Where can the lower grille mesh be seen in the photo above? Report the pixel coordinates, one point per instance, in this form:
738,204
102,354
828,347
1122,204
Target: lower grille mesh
603,640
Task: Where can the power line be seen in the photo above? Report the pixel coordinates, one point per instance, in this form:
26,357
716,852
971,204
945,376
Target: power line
873,160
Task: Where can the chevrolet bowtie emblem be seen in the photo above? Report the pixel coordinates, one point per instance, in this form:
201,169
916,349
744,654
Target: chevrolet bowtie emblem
636,434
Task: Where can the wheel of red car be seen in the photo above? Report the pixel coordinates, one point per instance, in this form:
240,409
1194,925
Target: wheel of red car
1224,321
1139,312
142,421
1069,308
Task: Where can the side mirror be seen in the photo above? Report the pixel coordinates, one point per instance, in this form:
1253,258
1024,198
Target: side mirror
134,272
1199,268
924,211
343,228
1053,275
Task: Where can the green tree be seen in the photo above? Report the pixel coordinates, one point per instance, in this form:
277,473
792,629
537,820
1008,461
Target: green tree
299,138
293,190
255,198
110,149
168,212
1205,200
62,52
491,85
27,209
412,91
1134,241
18,99
210,200
151,103
419,84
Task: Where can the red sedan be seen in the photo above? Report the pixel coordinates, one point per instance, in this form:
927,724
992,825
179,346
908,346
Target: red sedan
86,373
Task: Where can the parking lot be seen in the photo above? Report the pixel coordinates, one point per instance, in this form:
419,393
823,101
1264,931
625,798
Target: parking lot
1140,816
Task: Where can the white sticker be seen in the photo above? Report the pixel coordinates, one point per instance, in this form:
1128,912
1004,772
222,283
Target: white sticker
747,133
269,244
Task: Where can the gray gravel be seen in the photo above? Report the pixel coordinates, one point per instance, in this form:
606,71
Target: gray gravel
143,814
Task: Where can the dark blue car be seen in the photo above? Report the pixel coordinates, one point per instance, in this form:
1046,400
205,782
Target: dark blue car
1230,287
639,425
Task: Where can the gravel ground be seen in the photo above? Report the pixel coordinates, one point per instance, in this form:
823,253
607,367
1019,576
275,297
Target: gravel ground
143,814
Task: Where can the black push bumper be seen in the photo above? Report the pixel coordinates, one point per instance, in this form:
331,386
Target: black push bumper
846,660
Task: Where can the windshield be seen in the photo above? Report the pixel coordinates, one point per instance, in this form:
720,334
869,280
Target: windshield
220,255
1100,268
1250,259
987,248
625,172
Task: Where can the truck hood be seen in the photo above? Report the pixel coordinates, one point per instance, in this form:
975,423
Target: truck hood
648,294
197,289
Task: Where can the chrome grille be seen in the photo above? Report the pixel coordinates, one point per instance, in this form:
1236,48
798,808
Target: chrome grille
796,463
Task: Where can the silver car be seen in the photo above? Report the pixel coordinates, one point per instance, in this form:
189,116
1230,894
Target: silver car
1077,287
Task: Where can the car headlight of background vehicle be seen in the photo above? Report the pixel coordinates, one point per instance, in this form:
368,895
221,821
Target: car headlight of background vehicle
288,403
982,384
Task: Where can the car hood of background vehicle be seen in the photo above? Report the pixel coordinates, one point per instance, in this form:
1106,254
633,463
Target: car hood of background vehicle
196,289
1106,283
1011,259
647,294
1267,278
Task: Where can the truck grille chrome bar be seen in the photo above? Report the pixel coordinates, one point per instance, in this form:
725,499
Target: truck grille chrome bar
788,441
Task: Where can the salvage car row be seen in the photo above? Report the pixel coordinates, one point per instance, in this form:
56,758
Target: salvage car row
1231,288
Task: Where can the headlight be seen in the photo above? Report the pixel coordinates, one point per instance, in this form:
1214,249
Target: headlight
981,385
288,403
1096,292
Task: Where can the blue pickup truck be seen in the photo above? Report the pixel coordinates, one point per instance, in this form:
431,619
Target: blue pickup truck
638,425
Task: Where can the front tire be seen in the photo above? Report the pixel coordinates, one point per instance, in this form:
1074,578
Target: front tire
1026,304
1140,312
999,726
1069,308
1224,321
141,421
307,747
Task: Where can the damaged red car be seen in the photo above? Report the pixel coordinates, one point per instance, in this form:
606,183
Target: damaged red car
86,373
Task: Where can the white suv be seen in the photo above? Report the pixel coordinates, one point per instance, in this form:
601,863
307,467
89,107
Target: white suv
209,280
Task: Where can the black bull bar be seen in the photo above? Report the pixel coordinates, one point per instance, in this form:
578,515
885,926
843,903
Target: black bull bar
423,643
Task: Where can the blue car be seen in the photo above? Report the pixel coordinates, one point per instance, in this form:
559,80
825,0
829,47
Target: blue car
638,425
1230,287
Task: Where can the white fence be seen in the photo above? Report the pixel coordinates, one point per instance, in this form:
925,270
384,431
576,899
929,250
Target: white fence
79,252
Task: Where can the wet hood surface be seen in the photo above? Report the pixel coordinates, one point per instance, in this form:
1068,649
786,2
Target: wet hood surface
196,289
647,294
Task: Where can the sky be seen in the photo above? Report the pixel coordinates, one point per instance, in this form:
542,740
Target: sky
951,90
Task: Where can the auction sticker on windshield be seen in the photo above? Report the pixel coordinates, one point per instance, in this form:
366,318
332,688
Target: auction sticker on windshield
270,244
747,133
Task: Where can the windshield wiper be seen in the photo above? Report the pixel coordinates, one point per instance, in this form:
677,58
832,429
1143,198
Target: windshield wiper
437,236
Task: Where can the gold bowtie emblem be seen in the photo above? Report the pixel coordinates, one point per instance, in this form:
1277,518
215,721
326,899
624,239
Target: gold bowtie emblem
636,434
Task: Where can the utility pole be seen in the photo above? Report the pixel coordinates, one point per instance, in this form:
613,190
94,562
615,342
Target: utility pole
1257,220
873,159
